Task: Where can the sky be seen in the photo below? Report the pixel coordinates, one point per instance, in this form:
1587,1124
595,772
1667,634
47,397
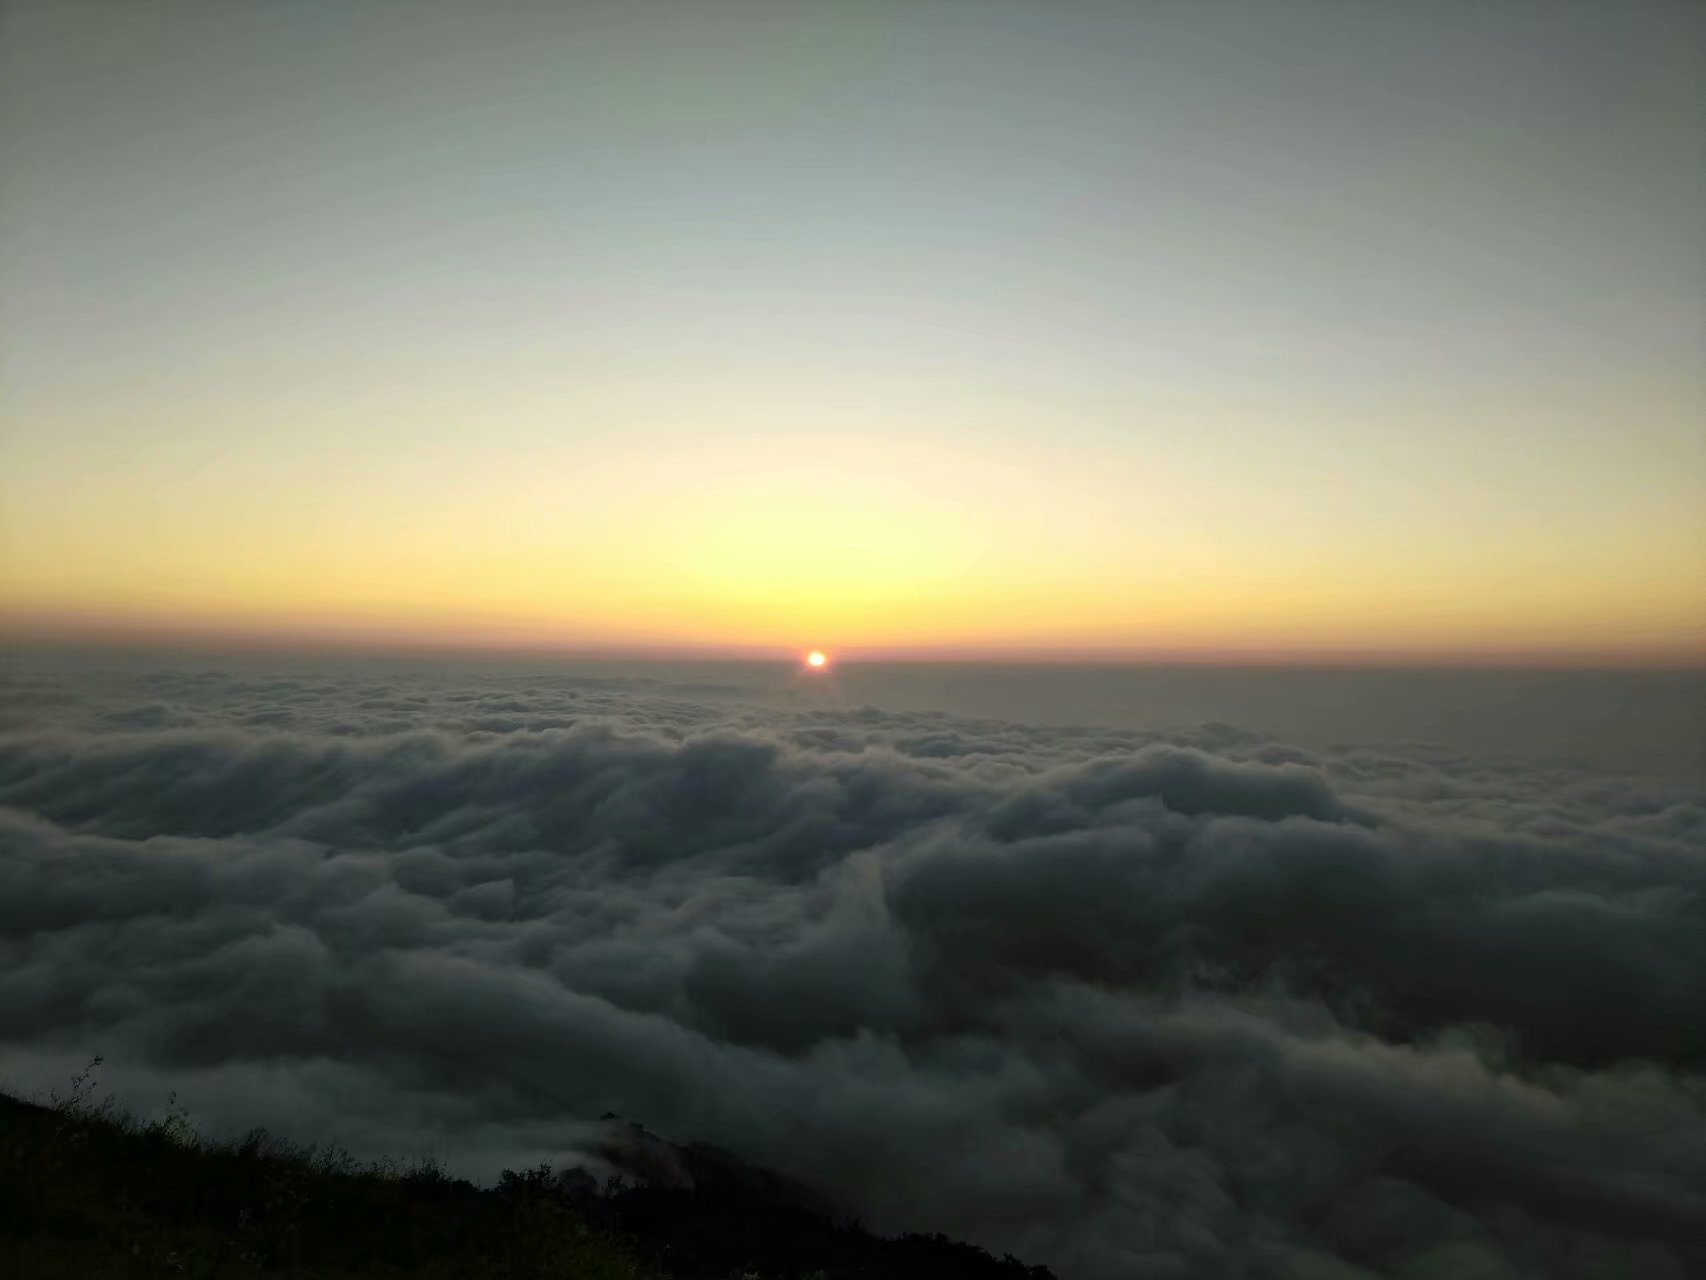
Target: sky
897,328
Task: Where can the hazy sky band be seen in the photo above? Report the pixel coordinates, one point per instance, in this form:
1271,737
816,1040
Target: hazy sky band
1150,327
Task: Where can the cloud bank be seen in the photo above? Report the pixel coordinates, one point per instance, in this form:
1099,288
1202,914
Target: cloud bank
1196,1004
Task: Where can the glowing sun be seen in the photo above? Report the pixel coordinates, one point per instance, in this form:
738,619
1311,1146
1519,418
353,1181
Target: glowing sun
817,660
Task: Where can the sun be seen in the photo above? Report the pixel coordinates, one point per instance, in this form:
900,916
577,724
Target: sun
817,660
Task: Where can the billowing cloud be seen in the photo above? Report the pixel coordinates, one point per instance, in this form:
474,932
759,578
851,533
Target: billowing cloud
1193,1004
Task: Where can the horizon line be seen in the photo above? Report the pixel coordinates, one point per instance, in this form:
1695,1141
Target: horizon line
120,638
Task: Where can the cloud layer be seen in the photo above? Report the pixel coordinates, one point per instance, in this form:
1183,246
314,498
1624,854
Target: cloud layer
1192,1004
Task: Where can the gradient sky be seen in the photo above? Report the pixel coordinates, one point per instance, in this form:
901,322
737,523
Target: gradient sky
1210,329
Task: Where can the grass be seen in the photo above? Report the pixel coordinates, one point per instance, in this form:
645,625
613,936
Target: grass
89,1192
86,1191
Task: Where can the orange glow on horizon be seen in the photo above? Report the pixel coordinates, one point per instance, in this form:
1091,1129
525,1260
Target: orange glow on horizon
1673,641
918,549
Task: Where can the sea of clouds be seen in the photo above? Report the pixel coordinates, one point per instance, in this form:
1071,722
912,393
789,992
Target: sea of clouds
1129,1004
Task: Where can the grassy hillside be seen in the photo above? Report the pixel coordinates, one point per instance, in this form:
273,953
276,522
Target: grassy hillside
87,1192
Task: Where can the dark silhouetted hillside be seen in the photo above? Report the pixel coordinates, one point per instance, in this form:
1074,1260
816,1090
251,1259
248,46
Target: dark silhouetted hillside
86,1192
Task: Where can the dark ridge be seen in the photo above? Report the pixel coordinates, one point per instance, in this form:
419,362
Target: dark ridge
87,1192
699,1211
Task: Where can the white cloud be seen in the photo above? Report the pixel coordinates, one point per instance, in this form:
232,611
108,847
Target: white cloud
1108,1000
